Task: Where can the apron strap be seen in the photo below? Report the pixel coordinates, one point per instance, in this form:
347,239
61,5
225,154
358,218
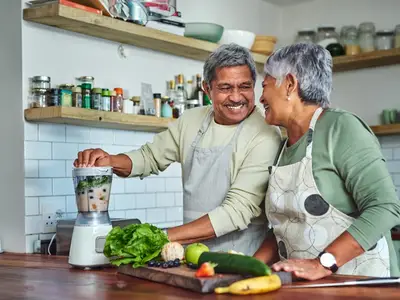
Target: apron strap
310,132
203,128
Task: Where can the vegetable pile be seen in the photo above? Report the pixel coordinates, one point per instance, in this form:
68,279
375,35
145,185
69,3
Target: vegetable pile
135,244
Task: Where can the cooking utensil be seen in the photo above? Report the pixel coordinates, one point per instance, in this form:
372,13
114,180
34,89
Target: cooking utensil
358,282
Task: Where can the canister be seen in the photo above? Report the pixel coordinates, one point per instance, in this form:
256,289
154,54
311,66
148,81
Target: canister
96,98
40,82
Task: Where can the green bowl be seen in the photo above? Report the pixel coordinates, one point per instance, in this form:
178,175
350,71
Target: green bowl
204,31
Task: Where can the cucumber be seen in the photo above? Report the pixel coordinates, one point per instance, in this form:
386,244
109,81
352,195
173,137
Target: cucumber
235,264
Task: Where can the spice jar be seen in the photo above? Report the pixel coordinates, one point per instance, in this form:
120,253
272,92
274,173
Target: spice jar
157,104
39,98
305,36
136,105
86,95
77,96
105,100
54,97
397,36
350,40
384,40
66,94
119,98
96,98
113,97
366,36
40,82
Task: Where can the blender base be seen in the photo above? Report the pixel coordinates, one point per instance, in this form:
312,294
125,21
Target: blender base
87,246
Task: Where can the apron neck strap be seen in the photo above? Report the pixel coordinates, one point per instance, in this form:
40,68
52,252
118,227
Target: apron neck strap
310,133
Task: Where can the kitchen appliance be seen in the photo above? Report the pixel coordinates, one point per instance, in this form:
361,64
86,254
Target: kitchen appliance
92,192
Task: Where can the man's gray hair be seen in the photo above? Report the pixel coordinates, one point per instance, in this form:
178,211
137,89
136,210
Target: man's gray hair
228,55
312,66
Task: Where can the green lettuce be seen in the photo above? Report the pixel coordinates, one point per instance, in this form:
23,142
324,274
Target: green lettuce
134,244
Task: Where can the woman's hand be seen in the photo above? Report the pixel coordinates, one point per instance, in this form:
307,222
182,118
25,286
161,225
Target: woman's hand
309,269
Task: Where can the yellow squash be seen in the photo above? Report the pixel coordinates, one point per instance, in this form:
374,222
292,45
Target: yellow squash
256,285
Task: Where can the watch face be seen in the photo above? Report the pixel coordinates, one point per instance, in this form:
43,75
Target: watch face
327,260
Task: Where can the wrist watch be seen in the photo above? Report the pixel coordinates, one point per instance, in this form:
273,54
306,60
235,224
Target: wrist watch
328,261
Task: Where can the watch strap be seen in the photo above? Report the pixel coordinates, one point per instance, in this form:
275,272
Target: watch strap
333,268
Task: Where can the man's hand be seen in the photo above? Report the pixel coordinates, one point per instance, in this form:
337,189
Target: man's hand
92,158
309,269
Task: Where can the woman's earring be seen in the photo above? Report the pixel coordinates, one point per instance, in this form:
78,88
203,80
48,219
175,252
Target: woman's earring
288,98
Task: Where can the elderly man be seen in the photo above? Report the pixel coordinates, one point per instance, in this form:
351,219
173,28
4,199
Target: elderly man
224,150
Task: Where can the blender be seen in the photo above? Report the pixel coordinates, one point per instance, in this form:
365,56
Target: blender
92,192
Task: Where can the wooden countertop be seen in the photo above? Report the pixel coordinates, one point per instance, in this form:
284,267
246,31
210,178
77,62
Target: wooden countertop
50,277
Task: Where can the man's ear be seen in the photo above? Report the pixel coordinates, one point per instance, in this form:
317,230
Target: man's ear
206,89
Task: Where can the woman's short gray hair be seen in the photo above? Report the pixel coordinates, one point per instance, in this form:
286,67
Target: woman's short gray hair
229,55
312,66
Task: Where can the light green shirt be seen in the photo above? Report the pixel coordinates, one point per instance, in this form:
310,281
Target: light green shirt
255,150
351,174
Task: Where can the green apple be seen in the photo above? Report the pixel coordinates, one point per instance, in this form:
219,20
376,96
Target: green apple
193,252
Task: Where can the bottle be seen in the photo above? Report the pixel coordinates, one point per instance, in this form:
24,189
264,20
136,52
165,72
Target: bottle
105,100
189,89
96,98
77,96
119,99
198,93
166,109
86,91
181,96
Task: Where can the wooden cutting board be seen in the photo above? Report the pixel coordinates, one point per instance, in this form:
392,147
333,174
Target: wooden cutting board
182,277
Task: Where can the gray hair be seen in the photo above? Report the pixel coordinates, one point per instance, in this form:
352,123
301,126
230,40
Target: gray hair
229,55
312,66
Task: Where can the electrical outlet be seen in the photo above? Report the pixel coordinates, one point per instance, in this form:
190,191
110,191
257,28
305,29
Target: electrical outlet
49,223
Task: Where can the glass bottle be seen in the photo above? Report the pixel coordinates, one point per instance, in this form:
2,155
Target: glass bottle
96,98
77,96
86,95
366,36
119,100
198,93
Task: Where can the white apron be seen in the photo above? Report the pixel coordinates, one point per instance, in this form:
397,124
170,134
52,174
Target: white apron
305,224
206,182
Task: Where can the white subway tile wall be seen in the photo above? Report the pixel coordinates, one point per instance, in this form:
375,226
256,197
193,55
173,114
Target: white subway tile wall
50,150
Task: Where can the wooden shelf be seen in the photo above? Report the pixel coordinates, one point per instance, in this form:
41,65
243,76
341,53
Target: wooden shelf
94,118
367,60
80,21
389,129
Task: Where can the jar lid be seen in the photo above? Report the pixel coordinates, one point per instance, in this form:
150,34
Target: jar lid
106,93
119,91
66,86
326,28
86,78
97,90
135,98
157,95
94,171
306,31
41,78
77,89
113,93
165,99
385,33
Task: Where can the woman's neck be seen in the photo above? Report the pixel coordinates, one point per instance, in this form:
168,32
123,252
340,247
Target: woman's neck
299,122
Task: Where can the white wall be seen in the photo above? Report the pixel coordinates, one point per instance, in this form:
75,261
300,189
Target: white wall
12,134
63,56
365,92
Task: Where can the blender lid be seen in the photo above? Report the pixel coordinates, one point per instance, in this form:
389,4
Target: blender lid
93,171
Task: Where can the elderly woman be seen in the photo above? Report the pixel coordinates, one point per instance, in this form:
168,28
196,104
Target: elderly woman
330,202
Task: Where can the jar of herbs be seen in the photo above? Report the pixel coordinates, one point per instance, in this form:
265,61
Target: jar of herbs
96,98
39,98
366,36
105,100
86,95
54,97
66,94
77,96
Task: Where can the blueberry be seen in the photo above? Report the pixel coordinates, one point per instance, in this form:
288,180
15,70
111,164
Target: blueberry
177,260
170,264
165,265
192,266
151,263
158,264
177,263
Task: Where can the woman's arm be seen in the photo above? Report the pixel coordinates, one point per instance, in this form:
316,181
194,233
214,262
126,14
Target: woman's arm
268,252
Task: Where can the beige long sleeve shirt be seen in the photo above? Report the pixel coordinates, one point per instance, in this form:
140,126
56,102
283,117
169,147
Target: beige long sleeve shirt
255,151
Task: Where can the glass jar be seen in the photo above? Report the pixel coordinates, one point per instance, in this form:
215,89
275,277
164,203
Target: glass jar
119,100
77,96
157,104
136,104
86,95
384,40
397,36
350,39
54,97
366,36
305,36
327,35
166,109
40,82
39,98
105,104
96,99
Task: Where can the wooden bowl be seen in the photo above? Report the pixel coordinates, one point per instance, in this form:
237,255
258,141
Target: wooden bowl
264,44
